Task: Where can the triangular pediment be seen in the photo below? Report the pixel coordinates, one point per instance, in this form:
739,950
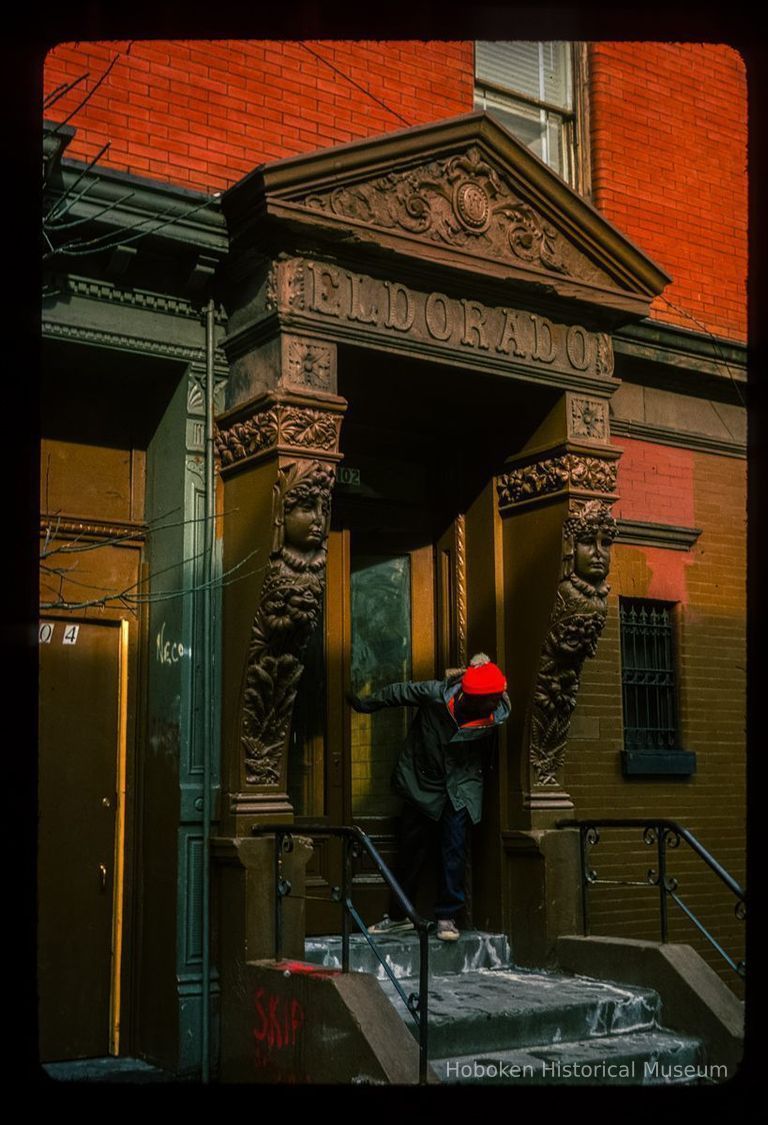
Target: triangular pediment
463,193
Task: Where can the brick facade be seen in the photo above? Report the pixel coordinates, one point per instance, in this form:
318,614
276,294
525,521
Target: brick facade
707,584
669,131
667,128
664,119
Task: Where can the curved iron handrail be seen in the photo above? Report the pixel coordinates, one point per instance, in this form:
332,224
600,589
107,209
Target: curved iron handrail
354,837
665,833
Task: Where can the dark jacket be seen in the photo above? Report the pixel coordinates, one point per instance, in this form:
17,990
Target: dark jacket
440,760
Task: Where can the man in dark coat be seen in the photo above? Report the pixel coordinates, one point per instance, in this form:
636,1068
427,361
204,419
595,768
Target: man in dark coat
439,774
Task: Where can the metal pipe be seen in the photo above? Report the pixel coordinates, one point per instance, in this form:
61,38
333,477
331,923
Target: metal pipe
208,708
346,884
584,869
662,844
278,896
423,1006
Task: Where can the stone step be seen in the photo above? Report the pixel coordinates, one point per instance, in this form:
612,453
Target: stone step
473,950
491,1009
649,1058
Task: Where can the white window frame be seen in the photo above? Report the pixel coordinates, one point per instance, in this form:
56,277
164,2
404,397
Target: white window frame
574,129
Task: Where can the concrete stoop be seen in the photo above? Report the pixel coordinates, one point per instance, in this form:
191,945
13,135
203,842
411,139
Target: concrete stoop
491,1022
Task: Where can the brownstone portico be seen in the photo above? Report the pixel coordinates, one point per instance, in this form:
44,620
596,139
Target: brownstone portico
443,275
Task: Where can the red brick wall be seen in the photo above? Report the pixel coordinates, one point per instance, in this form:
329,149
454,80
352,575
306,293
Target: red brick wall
202,114
669,130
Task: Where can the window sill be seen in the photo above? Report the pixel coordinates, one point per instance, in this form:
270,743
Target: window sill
658,763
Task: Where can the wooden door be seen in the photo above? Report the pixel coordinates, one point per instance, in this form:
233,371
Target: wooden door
81,817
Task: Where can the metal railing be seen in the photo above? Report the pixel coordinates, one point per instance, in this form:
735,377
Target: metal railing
666,834
354,840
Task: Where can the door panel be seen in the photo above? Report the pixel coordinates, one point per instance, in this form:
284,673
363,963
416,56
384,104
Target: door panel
80,745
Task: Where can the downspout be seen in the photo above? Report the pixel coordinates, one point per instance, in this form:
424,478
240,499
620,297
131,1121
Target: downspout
208,707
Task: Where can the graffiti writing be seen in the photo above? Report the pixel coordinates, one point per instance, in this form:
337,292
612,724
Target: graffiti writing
280,1020
168,652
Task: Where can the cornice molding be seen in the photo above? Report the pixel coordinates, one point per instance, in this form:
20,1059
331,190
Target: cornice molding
124,342
129,532
680,348
638,533
170,212
163,303
701,443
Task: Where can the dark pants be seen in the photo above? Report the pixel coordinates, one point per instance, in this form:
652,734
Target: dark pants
445,840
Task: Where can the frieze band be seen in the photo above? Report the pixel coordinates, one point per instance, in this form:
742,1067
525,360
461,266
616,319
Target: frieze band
326,292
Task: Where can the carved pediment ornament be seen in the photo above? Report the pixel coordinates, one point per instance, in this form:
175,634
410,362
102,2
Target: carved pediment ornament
461,201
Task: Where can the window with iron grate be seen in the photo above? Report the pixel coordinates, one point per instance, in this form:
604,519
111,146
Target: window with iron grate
648,677
652,742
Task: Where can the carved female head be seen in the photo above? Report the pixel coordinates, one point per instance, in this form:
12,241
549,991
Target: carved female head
588,537
302,508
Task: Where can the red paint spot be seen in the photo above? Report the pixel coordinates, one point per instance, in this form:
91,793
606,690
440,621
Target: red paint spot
307,969
668,580
655,483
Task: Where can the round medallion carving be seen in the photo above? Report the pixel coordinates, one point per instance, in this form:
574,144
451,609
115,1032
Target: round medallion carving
472,205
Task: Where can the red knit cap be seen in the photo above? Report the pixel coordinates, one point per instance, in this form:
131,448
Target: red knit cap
483,679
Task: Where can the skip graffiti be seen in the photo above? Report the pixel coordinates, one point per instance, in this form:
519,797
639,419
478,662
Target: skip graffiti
280,1020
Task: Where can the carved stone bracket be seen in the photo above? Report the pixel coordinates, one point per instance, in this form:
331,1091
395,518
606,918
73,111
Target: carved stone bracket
577,620
289,608
586,472
281,422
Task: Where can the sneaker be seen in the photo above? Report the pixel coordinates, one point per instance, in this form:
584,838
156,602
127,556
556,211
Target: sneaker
446,930
388,926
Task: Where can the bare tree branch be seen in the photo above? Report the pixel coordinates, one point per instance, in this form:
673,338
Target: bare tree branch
63,89
90,93
54,212
90,246
130,600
